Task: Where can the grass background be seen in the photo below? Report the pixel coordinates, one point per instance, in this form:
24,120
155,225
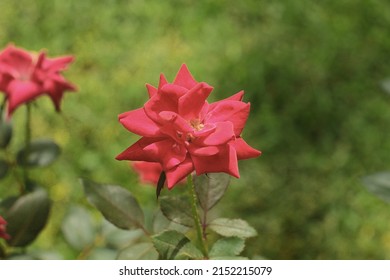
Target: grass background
311,70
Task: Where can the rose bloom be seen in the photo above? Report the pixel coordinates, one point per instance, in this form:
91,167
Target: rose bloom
184,133
25,76
3,233
149,172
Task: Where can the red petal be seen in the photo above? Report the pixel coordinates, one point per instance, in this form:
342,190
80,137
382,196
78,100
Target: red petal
234,111
20,92
222,134
151,90
167,152
165,100
223,161
235,97
243,150
178,173
139,151
139,123
191,103
56,64
184,78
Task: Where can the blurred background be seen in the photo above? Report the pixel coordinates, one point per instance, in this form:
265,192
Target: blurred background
313,72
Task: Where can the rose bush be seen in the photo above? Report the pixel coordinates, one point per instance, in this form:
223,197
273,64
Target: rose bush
25,76
184,133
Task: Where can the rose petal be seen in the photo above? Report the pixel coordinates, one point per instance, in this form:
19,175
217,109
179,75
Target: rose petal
165,100
192,103
243,150
139,123
223,161
235,97
222,134
167,152
139,151
151,90
179,172
234,111
184,78
19,92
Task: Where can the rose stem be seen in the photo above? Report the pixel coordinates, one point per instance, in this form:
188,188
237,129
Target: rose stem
195,215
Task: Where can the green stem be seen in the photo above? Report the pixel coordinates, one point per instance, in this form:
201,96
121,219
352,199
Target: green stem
27,142
195,215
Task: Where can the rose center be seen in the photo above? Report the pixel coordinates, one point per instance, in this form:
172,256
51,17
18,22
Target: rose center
196,124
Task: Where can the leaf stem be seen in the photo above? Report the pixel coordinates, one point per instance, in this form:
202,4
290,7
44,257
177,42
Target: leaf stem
195,215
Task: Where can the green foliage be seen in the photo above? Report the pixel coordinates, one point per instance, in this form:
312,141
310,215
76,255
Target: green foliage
232,227
177,209
5,132
379,184
116,204
4,167
139,251
39,153
210,188
78,228
27,217
312,70
227,247
173,245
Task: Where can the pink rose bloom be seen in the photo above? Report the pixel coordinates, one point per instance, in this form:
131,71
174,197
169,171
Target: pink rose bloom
149,172
3,233
184,133
24,76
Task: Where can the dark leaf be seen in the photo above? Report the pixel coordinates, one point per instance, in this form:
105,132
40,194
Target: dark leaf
210,188
160,183
139,251
40,153
116,204
5,133
379,184
78,228
177,209
27,217
232,227
173,245
4,167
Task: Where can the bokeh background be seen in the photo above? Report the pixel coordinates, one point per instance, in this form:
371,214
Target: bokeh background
312,70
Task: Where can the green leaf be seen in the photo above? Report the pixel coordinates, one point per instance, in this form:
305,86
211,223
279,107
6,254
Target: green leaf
27,217
78,228
232,227
4,167
177,209
119,238
40,153
172,245
229,246
139,251
5,133
116,204
161,223
210,188
379,184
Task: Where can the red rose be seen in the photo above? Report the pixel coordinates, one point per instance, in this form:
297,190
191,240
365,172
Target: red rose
149,172
25,76
3,233
183,132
